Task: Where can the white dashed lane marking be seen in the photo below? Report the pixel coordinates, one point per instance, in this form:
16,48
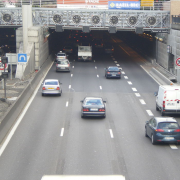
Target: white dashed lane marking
100,87
123,72
137,94
71,75
173,146
129,82
117,65
134,89
125,77
69,86
67,104
149,112
111,133
95,67
142,101
97,75
115,61
72,66
94,61
62,132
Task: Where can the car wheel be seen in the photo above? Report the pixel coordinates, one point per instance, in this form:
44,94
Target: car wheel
146,133
42,94
152,139
157,109
82,116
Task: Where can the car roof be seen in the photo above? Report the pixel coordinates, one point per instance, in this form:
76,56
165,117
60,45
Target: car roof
51,80
165,119
93,98
62,60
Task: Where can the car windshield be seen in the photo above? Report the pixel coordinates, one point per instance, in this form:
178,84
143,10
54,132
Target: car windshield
61,54
51,83
168,125
93,102
62,62
113,69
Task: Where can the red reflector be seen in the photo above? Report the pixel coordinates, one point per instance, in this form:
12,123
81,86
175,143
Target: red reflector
177,130
57,88
178,140
159,130
163,104
44,88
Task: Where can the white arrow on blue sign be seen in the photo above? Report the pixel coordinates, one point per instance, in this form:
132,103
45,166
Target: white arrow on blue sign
22,58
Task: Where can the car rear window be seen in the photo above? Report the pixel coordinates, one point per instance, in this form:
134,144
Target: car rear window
51,83
62,62
113,69
93,102
168,125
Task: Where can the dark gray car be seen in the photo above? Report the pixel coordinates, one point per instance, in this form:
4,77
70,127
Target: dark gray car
93,106
112,72
162,129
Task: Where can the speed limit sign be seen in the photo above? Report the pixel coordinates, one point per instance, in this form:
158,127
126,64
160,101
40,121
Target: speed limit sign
178,61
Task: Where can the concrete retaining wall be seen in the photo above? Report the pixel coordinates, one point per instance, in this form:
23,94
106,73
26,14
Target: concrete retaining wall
12,114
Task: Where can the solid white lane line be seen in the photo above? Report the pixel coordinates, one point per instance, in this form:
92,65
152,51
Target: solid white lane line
97,75
94,61
125,77
69,86
72,66
71,75
111,133
142,101
100,87
62,131
125,51
149,112
117,65
134,89
129,82
95,67
22,114
122,72
173,146
67,104
137,94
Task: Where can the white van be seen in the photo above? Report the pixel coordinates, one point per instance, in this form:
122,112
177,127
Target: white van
168,99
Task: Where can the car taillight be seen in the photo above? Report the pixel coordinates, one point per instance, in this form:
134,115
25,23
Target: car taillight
68,65
56,64
112,49
102,110
177,130
71,49
43,88
85,109
159,130
57,88
119,73
108,72
163,104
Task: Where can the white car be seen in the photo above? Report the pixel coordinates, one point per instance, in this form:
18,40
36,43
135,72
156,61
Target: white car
61,55
63,65
51,86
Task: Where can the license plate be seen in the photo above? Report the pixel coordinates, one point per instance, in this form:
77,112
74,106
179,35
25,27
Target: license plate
62,67
94,109
113,74
169,138
50,88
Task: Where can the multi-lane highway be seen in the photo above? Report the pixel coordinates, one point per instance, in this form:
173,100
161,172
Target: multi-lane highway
52,138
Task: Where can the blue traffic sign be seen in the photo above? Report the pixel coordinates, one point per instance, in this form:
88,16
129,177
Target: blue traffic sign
22,58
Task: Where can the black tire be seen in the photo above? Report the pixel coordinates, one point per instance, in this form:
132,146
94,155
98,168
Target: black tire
157,109
42,94
152,140
82,116
146,133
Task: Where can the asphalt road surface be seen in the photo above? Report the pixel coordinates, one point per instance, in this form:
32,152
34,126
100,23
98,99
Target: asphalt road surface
52,138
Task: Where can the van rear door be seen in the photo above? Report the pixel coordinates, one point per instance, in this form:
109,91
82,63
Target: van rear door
170,100
178,100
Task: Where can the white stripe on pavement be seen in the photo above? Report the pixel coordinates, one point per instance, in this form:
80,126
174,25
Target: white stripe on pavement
125,77
72,66
67,104
142,101
149,112
117,65
97,75
134,89
115,61
100,87
69,86
71,75
173,146
137,94
129,82
123,72
111,133
62,132
95,67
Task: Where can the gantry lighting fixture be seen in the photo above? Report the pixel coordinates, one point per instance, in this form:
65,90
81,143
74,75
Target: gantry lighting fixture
158,38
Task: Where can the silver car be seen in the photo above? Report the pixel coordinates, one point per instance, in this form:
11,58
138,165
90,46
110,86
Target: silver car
63,65
51,86
61,55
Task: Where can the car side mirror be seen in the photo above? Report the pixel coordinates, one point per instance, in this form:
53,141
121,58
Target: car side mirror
147,122
156,93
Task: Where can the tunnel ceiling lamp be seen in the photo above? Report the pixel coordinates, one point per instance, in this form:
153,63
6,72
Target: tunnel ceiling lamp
95,20
132,20
160,39
76,19
151,20
113,20
58,19
7,18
